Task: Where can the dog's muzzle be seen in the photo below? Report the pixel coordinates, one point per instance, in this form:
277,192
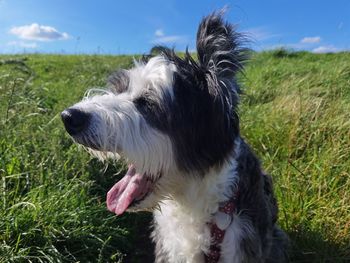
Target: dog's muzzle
75,120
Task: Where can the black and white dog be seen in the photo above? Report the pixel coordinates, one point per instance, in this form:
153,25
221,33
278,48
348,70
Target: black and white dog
174,120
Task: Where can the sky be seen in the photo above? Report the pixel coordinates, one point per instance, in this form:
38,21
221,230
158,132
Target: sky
133,27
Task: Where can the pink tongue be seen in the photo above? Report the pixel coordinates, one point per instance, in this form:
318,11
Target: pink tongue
132,186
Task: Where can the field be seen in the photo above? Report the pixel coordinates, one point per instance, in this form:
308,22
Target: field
295,112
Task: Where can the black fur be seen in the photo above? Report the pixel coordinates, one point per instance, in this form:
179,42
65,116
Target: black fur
257,204
203,125
220,47
202,120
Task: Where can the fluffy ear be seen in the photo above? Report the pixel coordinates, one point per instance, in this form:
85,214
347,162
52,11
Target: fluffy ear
219,46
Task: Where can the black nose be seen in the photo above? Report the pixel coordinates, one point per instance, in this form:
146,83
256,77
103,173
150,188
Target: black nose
75,120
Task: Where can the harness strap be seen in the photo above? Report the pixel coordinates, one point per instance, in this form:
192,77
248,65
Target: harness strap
217,232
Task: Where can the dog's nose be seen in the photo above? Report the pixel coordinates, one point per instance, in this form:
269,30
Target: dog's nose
75,120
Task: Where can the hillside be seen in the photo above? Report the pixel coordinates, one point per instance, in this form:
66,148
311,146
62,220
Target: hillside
295,112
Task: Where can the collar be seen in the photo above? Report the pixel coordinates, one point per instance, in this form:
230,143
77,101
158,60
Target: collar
218,225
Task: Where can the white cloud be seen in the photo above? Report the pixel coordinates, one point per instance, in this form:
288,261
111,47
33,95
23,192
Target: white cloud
161,38
159,33
310,40
326,49
38,32
259,33
23,44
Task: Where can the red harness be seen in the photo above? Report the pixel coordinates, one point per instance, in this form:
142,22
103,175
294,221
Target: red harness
217,234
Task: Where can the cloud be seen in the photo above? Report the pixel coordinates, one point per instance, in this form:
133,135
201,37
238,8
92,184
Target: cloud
259,33
326,49
38,32
159,33
23,44
161,38
310,40
306,43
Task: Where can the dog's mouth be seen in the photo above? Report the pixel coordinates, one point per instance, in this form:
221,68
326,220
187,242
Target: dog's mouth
130,190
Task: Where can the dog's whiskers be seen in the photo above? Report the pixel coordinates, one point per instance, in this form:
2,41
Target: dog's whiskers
174,120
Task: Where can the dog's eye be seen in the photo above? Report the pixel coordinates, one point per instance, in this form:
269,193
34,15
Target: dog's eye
143,104
146,105
154,114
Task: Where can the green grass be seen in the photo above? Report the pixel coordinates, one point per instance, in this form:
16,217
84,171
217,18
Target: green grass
295,112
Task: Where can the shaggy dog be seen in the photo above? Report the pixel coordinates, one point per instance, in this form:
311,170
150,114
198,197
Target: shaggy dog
174,119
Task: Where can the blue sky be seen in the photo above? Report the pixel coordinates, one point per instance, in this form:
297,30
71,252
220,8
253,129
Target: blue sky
131,27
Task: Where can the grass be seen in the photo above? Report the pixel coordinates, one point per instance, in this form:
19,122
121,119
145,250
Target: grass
294,112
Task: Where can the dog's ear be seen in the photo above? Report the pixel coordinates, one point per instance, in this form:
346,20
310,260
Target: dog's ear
219,46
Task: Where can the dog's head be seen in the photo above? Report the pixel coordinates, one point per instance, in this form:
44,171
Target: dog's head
169,115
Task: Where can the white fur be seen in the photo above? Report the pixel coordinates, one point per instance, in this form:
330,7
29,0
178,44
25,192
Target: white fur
119,128
187,203
193,202
155,76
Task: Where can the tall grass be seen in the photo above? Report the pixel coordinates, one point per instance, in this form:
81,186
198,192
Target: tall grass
52,194
294,112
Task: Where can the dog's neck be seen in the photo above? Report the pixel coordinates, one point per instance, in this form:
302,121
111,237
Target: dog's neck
218,185
193,203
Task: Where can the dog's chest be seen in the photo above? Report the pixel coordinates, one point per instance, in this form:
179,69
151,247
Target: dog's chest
182,224
184,236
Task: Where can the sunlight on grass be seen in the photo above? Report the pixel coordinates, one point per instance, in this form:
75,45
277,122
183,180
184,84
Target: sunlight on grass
294,112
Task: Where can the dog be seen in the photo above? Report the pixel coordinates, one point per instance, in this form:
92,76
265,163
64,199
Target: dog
174,120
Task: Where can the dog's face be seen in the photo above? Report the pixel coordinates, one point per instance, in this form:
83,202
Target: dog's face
166,116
